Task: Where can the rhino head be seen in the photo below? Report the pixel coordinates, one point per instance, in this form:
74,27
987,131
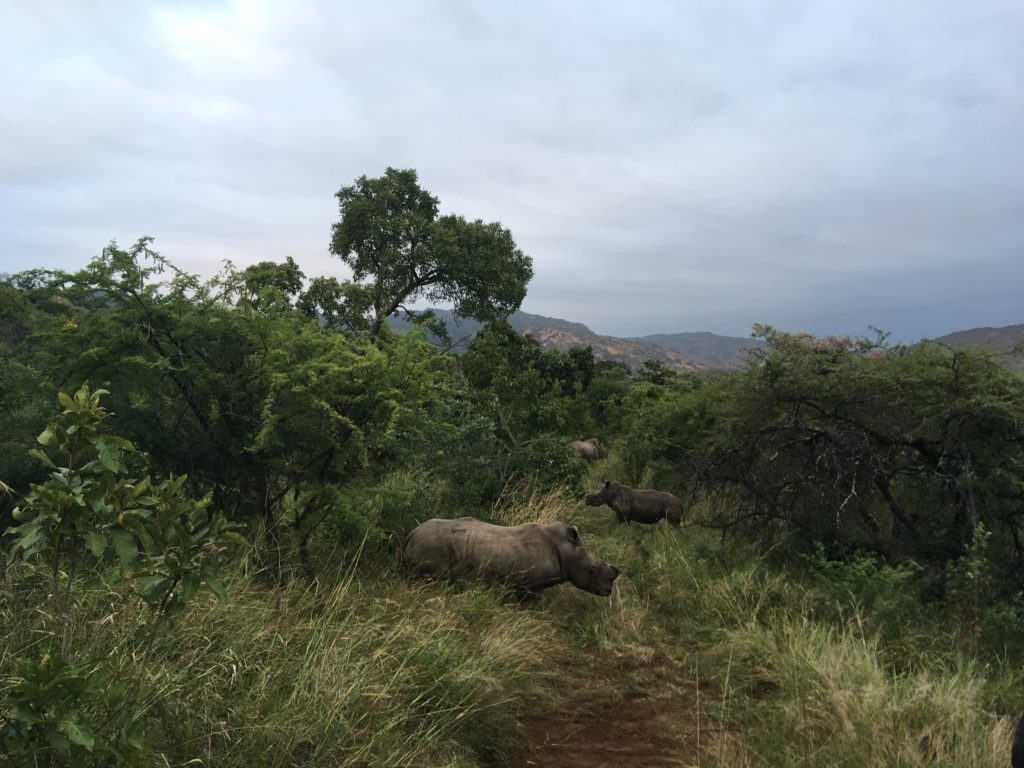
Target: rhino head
582,569
607,493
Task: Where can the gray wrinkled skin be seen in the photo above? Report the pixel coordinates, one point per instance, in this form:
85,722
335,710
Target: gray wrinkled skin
528,558
588,449
632,506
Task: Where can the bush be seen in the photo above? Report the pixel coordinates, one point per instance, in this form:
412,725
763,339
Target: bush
854,446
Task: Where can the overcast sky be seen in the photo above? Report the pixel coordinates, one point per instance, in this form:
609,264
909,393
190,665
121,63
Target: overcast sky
670,166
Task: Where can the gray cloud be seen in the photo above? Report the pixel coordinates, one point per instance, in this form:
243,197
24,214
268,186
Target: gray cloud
821,166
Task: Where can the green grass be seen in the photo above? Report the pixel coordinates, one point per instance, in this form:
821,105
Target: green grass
375,668
818,695
360,674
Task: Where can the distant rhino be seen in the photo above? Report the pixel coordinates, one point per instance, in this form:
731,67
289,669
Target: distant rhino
637,506
588,449
529,558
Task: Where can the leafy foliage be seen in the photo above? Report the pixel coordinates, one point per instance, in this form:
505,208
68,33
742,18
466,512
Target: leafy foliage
661,426
25,393
168,546
534,398
390,233
231,382
861,447
47,721
287,404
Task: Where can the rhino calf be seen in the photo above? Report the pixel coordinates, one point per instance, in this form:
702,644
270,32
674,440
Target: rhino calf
631,505
588,449
529,558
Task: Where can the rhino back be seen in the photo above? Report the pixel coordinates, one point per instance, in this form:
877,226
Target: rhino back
582,449
646,506
522,555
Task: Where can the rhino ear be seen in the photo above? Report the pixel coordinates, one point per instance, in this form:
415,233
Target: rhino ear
607,483
573,533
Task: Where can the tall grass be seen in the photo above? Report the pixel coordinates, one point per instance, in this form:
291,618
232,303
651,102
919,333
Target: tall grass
367,672
791,675
823,698
377,669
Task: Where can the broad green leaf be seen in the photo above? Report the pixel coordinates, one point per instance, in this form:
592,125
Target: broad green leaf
108,459
57,741
78,734
189,586
24,513
134,735
46,460
217,588
156,593
46,437
23,713
148,582
96,543
116,441
136,522
140,487
236,539
32,539
125,545
181,532
67,401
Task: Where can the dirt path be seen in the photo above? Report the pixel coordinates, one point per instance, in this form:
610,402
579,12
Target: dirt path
613,722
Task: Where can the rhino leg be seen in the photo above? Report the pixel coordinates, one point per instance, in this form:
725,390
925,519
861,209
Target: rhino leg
620,514
674,513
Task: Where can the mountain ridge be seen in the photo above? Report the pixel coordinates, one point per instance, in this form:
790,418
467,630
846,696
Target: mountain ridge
1006,342
557,333
689,351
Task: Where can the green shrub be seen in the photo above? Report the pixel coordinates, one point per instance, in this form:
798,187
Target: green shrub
65,707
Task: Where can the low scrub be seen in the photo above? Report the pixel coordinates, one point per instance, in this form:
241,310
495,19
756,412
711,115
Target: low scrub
819,696
368,672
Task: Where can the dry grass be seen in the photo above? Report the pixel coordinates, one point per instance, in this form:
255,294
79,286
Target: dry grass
376,669
823,698
385,675
527,503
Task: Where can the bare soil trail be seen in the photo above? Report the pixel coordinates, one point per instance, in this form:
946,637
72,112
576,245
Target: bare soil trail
632,714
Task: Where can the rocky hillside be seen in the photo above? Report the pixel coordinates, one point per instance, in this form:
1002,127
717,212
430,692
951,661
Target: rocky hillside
693,351
553,333
728,353
1006,342
561,334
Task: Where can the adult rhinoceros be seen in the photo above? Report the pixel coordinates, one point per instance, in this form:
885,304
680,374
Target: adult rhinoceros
529,558
588,449
637,506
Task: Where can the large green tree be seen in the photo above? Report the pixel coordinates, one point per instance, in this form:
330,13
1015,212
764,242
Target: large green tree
400,250
857,446
231,382
534,398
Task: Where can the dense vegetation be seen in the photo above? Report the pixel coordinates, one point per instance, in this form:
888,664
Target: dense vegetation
201,527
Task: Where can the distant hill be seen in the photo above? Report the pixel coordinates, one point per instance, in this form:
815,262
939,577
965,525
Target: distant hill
562,334
553,333
692,351
708,349
1000,341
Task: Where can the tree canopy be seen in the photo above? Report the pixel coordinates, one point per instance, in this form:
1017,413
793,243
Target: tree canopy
400,250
